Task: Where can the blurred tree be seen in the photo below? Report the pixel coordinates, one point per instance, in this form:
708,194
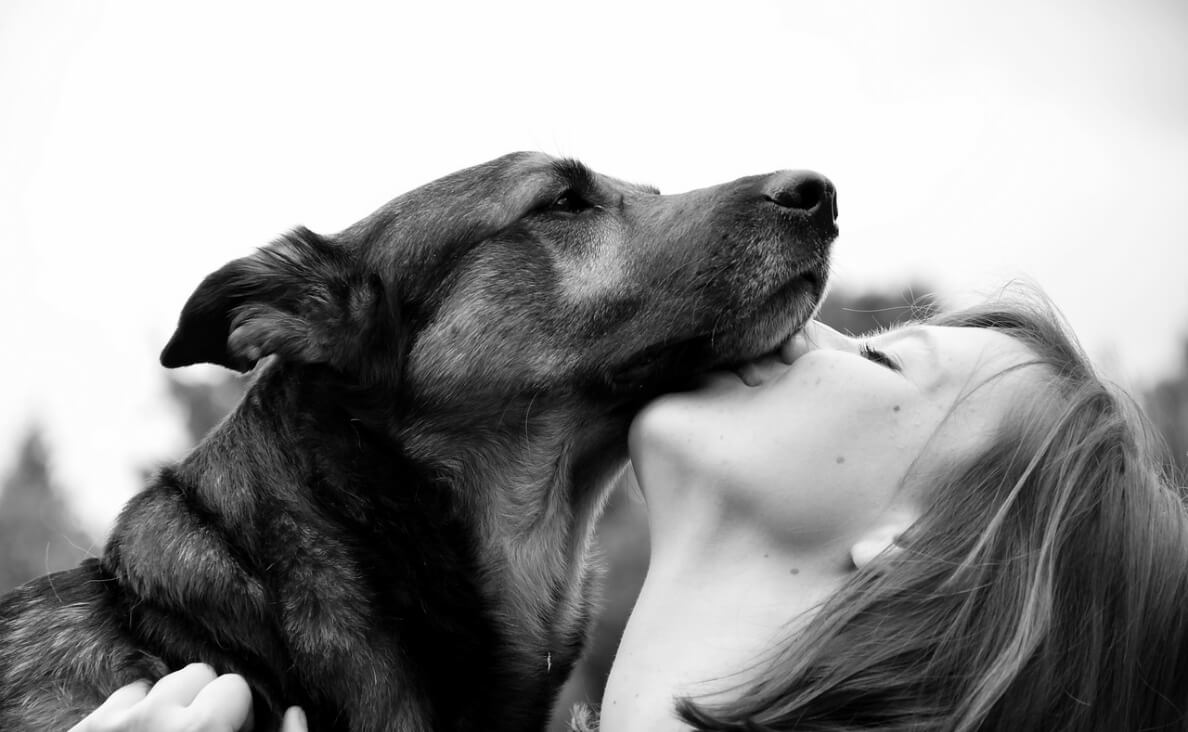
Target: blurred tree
205,403
38,534
1167,406
622,533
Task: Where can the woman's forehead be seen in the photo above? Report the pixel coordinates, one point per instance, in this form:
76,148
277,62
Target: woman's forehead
959,356
980,348
977,384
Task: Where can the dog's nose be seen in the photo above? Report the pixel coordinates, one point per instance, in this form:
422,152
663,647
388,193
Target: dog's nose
803,190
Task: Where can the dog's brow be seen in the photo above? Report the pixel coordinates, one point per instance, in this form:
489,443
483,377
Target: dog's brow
581,177
574,171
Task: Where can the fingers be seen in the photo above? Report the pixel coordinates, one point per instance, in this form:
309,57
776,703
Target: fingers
180,687
121,700
194,699
226,700
294,721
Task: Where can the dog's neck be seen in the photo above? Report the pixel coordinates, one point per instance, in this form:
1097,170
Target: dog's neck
534,476
318,532
535,493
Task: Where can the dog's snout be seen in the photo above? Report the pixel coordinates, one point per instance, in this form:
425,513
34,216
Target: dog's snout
803,190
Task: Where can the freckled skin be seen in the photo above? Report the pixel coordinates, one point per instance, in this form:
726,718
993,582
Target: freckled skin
824,442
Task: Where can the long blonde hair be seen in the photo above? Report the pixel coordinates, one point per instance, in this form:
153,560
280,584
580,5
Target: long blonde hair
1045,587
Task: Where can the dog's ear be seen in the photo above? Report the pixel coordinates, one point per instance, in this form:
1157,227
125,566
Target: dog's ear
302,298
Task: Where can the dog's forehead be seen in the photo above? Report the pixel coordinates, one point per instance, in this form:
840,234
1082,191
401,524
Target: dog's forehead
537,168
574,170
420,227
469,202
507,185
510,182
527,165
626,186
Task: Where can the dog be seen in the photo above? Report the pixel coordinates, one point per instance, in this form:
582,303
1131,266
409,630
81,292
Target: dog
392,528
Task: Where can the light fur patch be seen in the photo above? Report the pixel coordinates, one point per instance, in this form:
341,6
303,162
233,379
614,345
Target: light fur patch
598,272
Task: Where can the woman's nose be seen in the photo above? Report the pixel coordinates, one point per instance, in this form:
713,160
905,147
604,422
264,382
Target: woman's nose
814,336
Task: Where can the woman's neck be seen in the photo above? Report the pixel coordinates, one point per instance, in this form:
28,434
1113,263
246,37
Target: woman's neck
719,595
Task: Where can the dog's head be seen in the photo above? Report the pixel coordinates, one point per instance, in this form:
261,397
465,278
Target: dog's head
528,277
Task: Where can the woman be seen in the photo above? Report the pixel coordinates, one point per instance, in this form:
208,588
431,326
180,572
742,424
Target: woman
978,518
950,526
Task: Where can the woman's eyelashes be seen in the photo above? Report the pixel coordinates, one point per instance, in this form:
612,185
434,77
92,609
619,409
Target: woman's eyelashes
880,357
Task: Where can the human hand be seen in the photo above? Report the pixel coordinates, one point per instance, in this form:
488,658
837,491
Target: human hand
194,699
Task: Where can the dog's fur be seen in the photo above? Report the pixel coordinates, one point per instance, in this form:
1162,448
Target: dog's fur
391,529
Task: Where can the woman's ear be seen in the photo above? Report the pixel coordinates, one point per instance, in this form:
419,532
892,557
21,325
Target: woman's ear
880,541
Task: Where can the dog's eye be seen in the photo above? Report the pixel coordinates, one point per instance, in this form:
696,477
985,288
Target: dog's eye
570,201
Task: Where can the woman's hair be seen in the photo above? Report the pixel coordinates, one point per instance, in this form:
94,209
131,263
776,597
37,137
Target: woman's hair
1045,586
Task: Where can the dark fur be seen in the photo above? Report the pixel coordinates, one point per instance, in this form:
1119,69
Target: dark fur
391,529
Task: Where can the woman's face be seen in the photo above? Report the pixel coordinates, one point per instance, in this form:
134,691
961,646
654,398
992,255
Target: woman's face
814,444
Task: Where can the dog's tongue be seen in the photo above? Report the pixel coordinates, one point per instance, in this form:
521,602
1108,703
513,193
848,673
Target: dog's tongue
793,347
786,352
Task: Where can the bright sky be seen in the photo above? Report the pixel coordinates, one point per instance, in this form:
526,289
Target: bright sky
143,144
